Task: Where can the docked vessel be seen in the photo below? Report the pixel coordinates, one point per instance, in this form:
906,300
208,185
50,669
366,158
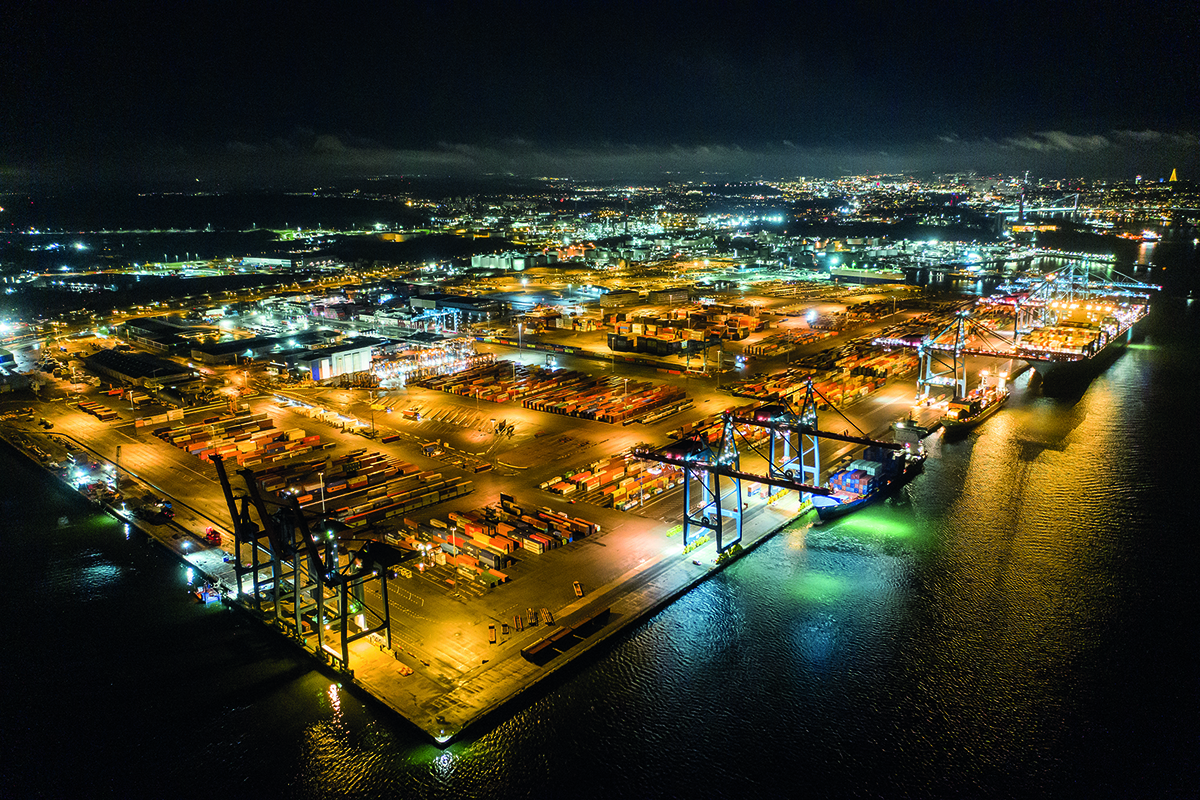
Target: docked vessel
1073,338
1063,372
866,276
1066,375
964,413
207,593
875,476
1144,236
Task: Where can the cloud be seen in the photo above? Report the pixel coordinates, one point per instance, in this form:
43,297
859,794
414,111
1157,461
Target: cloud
327,143
1141,136
1060,141
1159,138
305,155
242,148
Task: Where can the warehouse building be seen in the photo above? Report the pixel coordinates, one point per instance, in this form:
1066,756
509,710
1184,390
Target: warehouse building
255,348
137,368
330,362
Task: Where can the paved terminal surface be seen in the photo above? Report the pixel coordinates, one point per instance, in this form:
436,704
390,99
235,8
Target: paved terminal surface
442,672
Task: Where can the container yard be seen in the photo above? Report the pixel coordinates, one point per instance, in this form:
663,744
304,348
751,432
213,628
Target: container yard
249,439
854,315
496,579
619,482
604,398
785,342
362,489
485,592
842,375
681,329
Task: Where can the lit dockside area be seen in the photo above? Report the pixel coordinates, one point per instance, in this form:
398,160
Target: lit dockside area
448,504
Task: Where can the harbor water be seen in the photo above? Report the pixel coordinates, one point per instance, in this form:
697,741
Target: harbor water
1020,622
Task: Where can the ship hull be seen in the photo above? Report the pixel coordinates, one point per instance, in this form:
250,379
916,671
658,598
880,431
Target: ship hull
1066,377
956,427
831,512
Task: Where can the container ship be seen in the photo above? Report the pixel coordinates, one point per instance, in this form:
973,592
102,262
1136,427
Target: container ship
964,413
1080,347
873,477
865,276
1144,236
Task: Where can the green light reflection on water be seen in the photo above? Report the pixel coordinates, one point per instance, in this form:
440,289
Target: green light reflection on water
876,525
433,754
820,587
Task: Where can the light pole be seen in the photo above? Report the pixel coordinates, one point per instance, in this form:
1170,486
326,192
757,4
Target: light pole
625,392
321,475
519,345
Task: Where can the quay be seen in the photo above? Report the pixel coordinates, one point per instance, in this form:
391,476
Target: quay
441,669
443,675
445,647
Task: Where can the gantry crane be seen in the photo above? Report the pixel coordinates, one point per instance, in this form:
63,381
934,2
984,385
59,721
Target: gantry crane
792,455
312,562
943,355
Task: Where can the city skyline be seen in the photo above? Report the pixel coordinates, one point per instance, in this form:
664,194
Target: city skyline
145,95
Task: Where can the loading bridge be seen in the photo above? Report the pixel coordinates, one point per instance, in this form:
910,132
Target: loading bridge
792,455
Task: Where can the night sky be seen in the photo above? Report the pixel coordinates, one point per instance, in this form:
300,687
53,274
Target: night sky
170,92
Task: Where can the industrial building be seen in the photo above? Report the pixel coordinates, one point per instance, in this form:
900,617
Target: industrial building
678,294
512,261
620,298
464,309
137,368
258,347
159,334
330,362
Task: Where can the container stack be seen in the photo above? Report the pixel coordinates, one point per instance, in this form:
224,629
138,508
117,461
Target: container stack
362,487
250,439
785,341
471,554
393,498
1064,339
842,377
610,399
852,481
711,427
102,413
540,529
616,483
